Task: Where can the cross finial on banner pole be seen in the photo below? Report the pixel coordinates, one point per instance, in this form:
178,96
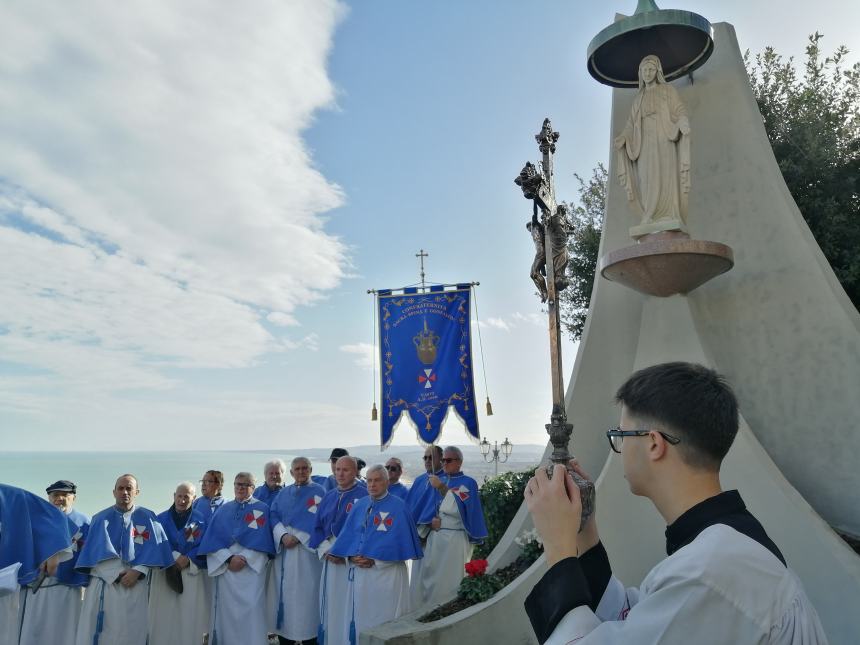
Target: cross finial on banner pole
421,255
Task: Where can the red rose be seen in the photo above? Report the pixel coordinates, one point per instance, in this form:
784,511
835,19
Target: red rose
476,568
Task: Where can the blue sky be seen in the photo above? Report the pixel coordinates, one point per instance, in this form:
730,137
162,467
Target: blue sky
194,202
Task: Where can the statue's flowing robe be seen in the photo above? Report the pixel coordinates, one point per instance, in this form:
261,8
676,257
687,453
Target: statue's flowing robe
113,614
654,160
51,615
177,619
297,570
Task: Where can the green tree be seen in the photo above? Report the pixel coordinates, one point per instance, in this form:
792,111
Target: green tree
582,246
813,123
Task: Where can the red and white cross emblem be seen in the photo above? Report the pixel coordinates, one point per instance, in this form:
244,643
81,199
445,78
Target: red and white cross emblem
139,533
255,519
313,503
427,378
192,532
382,520
461,491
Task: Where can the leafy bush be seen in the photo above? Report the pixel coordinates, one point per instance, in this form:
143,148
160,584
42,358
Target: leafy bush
501,498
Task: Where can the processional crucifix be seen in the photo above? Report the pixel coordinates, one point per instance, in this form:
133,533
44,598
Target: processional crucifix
548,272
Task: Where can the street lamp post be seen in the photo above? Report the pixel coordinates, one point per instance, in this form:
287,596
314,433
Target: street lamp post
499,455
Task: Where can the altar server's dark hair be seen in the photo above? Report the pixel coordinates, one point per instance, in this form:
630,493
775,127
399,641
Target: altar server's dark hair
689,400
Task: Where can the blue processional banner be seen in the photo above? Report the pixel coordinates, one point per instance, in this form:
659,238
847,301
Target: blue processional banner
425,345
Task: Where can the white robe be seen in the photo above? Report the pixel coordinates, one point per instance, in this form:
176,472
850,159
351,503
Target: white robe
50,616
723,587
179,619
334,587
238,610
297,574
376,595
125,610
447,552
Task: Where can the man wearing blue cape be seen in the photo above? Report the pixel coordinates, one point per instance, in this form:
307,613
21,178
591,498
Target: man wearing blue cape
238,545
457,527
378,538
34,538
297,568
331,517
423,501
394,466
179,609
51,615
124,544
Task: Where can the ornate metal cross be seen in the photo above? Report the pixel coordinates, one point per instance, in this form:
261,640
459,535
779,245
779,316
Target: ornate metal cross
549,273
421,255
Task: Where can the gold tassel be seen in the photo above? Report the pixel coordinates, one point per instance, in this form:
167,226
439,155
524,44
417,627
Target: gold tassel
373,415
489,408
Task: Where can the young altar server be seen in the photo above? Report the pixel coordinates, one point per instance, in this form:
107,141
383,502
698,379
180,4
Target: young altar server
458,526
378,538
179,607
238,545
297,567
34,539
51,615
124,544
333,513
394,467
724,580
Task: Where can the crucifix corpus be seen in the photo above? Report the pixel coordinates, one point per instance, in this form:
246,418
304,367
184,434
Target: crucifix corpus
549,228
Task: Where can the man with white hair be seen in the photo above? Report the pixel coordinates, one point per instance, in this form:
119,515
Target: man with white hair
296,567
378,538
125,543
34,539
238,545
334,510
457,527
51,615
178,602
274,472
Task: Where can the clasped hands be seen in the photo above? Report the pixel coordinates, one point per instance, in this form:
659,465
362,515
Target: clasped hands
289,541
362,562
236,563
129,577
556,509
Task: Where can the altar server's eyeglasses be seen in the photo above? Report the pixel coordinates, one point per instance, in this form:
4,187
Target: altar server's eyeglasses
448,460
616,436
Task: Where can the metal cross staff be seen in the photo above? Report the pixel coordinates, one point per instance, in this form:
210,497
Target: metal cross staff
548,272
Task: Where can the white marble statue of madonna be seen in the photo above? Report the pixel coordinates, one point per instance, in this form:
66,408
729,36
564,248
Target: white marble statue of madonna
654,153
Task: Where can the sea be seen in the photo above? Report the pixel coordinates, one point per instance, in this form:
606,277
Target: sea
158,473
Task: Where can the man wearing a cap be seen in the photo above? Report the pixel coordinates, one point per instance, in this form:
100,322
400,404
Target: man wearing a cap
51,615
330,482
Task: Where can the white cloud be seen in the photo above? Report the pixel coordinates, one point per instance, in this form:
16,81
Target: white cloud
363,354
156,197
512,321
498,323
538,320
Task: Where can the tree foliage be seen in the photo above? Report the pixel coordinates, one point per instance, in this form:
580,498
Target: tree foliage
813,123
582,247
812,120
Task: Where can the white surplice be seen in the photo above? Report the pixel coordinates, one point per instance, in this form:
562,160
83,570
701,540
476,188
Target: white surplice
51,614
376,595
334,587
723,587
10,604
179,619
238,610
297,574
445,556
125,610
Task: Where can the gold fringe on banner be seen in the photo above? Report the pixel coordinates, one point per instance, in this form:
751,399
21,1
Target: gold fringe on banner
489,408
373,415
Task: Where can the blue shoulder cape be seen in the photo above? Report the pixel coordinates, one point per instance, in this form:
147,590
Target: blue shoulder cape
263,494
379,529
79,526
31,531
247,523
297,506
333,511
423,500
465,491
187,539
139,542
399,490
209,505
322,480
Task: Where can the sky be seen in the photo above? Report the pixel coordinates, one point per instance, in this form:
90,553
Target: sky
195,198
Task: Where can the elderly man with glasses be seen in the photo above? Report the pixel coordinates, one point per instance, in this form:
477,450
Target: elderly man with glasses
724,580
457,527
238,544
394,468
